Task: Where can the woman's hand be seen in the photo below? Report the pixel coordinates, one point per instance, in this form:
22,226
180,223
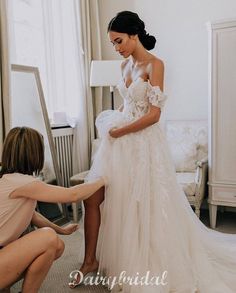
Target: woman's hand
69,229
115,132
40,221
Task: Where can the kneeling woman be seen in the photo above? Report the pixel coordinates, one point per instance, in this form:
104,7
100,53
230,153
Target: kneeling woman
33,254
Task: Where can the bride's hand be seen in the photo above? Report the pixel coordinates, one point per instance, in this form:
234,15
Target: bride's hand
115,132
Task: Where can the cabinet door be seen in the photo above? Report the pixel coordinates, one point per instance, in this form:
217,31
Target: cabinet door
224,105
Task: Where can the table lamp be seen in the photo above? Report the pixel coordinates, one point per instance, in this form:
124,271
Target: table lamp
106,73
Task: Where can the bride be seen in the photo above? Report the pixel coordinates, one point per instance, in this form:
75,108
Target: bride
147,225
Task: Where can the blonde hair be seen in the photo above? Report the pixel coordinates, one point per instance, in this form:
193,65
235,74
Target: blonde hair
23,151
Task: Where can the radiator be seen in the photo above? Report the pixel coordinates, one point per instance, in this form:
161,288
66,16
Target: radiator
63,140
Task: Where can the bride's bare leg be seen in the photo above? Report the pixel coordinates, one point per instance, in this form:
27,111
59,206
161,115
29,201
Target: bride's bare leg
91,228
92,224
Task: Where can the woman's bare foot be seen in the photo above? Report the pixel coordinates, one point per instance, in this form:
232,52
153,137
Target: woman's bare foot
85,269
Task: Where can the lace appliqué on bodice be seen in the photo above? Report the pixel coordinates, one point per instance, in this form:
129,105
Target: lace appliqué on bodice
138,97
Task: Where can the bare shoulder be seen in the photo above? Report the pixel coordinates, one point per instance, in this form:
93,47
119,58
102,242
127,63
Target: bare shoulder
156,74
157,64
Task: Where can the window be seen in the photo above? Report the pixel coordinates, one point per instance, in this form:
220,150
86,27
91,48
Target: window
45,34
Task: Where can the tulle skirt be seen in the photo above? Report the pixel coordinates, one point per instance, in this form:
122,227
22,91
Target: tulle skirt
148,229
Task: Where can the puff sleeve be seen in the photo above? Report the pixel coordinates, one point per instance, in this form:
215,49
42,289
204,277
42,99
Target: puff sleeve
155,96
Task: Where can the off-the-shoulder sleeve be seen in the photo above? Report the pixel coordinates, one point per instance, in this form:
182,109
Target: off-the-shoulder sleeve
155,96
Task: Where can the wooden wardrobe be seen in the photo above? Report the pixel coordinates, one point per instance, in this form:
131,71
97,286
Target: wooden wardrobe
222,116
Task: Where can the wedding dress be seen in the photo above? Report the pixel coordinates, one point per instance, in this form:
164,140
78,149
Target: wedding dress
147,223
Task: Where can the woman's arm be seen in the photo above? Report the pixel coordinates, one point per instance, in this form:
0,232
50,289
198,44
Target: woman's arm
156,77
41,191
40,221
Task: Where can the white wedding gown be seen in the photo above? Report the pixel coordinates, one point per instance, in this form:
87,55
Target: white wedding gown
147,223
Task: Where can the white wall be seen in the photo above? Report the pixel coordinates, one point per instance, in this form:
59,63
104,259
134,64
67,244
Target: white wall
182,43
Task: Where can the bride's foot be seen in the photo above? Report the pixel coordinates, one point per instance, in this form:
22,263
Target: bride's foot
85,269
6,290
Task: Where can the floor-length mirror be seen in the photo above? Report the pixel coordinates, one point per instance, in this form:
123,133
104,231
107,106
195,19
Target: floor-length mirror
28,108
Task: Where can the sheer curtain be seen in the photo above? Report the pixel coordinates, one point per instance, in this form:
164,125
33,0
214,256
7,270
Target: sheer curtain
4,74
44,34
87,13
61,37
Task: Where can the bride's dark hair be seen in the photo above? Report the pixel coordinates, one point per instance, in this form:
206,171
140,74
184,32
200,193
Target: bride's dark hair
129,22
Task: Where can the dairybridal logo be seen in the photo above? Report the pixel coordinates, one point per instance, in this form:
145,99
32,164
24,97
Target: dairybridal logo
111,282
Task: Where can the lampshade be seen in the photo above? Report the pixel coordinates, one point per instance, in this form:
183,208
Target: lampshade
105,72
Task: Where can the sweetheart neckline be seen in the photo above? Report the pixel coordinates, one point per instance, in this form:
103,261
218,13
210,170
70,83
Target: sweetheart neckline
134,81
122,82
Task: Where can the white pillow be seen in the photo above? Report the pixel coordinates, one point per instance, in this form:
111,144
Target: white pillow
184,155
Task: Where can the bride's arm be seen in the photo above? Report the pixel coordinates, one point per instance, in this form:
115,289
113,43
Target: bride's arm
146,120
123,64
156,77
